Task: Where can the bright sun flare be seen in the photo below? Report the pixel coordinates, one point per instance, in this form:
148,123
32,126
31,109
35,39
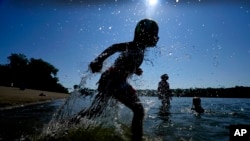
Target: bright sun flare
152,2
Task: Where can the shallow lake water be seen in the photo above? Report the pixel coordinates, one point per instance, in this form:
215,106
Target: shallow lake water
178,123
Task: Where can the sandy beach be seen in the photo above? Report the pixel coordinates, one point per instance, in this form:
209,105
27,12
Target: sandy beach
14,97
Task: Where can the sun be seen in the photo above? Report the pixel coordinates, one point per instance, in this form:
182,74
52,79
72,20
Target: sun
152,2
151,6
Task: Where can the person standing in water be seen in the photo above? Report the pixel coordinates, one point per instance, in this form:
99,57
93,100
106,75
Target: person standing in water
164,92
197,104
113,82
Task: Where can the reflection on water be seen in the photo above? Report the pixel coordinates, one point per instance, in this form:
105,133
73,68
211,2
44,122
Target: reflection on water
177,122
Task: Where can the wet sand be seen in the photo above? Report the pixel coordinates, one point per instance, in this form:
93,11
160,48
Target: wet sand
11,97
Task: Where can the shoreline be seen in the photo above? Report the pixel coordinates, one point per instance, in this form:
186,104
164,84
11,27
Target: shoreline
11,97
28,104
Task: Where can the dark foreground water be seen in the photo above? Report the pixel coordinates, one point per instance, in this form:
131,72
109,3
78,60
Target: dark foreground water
18,123
178,123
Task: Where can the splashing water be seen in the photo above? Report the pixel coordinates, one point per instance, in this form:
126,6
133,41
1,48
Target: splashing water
79,99
115,117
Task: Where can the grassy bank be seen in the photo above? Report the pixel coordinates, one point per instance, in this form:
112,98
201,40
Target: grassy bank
12,97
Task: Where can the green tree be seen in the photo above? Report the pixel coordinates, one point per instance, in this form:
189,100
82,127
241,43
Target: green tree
18,65
33,74
5,75
42,75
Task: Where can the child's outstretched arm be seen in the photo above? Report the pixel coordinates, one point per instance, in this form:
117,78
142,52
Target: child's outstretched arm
96,65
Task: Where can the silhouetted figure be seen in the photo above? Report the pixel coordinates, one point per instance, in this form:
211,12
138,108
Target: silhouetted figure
113,82
197,104
164,92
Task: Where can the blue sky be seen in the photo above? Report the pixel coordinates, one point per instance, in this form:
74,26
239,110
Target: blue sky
203,43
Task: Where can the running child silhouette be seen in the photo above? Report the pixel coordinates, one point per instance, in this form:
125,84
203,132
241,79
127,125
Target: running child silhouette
113,82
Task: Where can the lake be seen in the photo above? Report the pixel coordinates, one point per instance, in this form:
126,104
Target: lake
178,123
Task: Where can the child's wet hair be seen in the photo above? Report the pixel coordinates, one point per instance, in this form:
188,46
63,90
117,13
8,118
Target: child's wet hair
144,28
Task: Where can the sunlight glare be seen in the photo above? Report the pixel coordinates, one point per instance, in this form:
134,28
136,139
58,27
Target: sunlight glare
152,2
151,6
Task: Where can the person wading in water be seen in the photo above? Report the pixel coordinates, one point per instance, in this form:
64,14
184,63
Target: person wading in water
164,92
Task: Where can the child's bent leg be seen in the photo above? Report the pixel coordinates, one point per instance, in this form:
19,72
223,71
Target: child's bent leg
130,99
137,122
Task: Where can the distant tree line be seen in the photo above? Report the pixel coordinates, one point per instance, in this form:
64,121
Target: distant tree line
234,92
30,73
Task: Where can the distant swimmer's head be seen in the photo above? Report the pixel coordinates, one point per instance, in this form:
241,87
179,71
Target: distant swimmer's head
164,77
146,32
